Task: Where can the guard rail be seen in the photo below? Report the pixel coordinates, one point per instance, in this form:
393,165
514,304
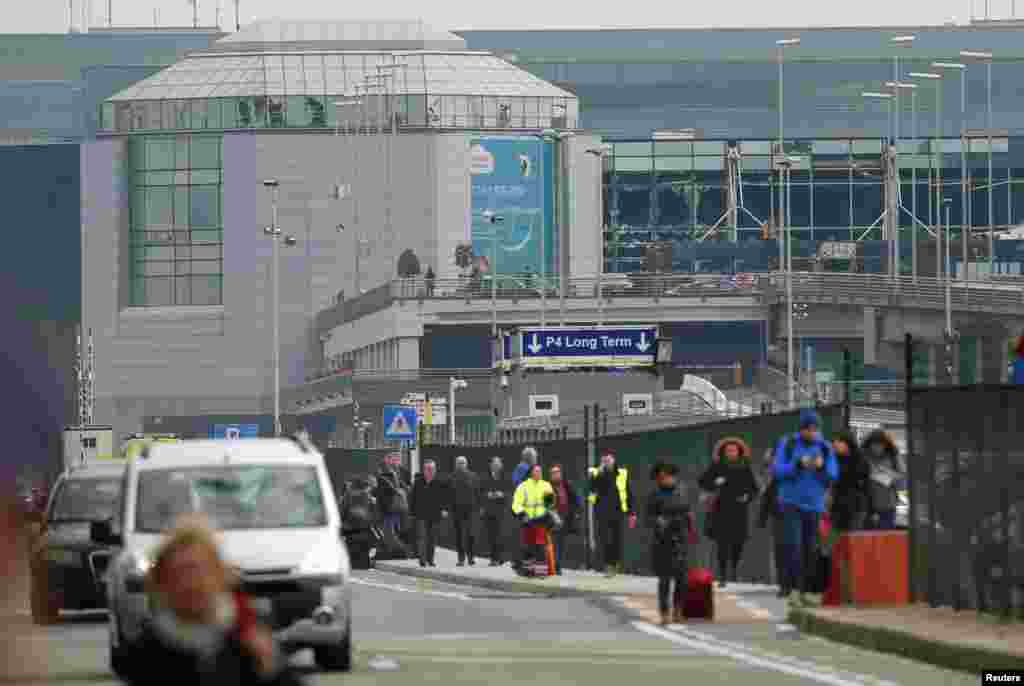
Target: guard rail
993,297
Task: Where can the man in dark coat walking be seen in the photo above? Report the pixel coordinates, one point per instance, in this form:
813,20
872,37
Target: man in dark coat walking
429,504
496,499
392,493
465,492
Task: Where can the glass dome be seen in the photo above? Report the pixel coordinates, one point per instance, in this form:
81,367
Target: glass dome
340,76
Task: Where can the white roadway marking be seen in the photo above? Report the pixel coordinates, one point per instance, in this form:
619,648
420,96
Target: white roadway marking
405,589
778,663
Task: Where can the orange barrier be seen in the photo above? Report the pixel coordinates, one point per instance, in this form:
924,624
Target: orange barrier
869,568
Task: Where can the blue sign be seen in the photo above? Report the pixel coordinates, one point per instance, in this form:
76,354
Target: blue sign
234,431
400,422
596,347
512,205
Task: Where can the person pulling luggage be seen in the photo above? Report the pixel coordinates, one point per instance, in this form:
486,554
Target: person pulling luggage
669,517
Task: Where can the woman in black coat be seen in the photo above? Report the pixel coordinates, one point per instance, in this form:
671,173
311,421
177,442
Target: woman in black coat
850,491
668,516
731,480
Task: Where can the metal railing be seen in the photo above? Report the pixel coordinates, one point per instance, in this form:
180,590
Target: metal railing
995,297
609,286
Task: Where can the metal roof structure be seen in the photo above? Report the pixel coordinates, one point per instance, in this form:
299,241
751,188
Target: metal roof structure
288,59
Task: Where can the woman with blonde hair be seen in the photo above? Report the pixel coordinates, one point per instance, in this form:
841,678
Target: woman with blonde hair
730,480
202,630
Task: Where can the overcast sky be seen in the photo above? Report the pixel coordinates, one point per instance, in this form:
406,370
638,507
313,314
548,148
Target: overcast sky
51,16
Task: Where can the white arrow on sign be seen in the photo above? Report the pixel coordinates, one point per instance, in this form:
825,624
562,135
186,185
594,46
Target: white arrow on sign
643,345
535,346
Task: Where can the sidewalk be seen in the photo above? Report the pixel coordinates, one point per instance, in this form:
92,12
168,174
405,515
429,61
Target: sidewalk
965,641
625,593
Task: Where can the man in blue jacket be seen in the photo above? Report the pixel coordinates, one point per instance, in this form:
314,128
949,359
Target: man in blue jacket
805,467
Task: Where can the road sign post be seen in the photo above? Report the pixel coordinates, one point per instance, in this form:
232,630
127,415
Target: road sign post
589,347
400,422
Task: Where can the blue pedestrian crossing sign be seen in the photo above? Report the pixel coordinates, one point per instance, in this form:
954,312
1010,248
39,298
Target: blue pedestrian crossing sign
400,422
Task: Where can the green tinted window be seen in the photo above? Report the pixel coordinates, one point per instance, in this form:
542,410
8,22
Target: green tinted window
176,236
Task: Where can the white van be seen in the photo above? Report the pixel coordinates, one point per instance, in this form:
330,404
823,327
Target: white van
272,503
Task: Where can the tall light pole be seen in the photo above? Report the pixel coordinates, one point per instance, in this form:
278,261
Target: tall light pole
453,385
891,207
787,258
781,46
964,229
494,220
986,57
949,277
896,86
937,80
274,232
899,42
360,243
600,153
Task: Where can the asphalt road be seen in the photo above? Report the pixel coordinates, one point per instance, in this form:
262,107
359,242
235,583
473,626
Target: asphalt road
409,631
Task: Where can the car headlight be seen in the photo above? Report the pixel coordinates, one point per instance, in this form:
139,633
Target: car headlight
322,561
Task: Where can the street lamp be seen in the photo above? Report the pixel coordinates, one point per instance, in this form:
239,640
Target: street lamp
801,312
897,112
782,44
937,80
494,219
785,165
986,57
949,279
891,205
453,385
896,86
274,233
964,229
600,152
360,243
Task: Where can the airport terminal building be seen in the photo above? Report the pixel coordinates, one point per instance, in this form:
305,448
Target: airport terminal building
178,275
156,143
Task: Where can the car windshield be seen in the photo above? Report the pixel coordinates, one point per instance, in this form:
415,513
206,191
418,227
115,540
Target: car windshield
91,500
243,497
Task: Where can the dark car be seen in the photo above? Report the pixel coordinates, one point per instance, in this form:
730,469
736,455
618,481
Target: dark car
67,567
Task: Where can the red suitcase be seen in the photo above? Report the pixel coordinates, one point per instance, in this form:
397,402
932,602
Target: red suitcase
699,601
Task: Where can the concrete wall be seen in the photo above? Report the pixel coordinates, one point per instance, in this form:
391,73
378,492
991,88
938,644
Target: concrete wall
193,360
575,390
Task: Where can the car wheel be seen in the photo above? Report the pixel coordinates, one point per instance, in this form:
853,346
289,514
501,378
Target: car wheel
45,607
337,657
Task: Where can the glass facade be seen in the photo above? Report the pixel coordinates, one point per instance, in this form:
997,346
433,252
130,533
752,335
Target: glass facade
678,190
425,90
176,235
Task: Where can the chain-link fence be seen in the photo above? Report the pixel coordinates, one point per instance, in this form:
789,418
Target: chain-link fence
966,478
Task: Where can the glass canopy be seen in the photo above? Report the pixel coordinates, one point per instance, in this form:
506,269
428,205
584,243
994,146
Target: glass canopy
305,89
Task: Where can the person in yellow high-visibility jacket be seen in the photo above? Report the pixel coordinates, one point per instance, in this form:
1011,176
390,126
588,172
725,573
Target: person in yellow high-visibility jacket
532,505
612,498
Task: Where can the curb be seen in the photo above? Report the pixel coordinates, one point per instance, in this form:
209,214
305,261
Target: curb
510,585
956,657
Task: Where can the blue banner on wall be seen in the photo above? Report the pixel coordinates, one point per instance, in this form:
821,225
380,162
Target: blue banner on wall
512,207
